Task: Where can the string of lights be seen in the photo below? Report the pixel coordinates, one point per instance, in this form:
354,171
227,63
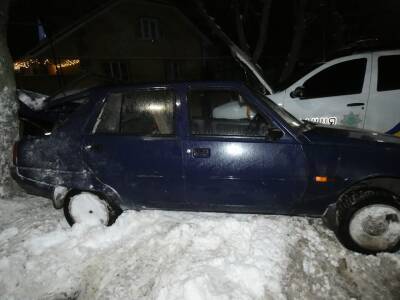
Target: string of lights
28,63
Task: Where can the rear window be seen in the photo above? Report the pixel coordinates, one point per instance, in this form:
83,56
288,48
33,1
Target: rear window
45,121
140,113
388,70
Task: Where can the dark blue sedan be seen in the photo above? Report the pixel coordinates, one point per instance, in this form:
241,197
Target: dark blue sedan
213,146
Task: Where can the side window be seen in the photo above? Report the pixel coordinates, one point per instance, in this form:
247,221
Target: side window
109,118
345,78
143,113
148,113
388,67
224,113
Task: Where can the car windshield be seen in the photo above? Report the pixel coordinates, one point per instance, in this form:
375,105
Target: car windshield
289,118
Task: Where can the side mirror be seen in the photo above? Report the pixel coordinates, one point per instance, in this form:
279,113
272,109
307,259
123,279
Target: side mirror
298,92
275,134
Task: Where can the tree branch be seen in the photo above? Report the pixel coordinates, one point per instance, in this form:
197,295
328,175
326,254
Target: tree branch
297,41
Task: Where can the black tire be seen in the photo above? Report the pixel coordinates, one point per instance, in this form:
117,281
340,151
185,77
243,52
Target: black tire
113,210
352,203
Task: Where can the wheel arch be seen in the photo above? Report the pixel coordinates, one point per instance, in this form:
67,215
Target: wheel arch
387,183
111,198
103,191
113,209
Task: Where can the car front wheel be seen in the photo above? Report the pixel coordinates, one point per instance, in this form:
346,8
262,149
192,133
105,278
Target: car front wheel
369,221
88,208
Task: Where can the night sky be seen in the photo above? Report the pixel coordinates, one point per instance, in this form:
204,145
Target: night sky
330,25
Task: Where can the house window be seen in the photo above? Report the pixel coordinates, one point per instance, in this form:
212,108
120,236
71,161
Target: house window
117,70
173,70
149,29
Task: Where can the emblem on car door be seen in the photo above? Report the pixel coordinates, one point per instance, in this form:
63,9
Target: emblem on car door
351,120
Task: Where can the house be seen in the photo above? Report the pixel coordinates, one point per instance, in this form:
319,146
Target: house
123,41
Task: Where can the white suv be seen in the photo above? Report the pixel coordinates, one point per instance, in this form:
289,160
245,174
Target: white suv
360,90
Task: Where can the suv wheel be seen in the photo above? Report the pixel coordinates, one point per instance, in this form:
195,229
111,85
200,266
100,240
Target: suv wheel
88,208
369,221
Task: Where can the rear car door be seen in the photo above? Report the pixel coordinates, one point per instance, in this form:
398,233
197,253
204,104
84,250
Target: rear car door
383,113
134,147
231,162
335,94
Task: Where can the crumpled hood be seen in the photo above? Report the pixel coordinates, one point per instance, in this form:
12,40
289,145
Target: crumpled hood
351,136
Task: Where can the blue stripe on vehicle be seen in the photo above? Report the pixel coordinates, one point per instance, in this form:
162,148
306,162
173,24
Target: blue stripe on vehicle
394,129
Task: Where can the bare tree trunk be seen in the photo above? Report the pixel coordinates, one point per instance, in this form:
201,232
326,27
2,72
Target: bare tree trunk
8,107
337,27
244,44
297,41
262,35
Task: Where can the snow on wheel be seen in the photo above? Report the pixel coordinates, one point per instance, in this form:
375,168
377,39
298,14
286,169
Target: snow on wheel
376,227
88,208
369,221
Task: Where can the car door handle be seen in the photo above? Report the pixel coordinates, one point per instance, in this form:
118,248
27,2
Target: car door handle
94,147
201,152
355,104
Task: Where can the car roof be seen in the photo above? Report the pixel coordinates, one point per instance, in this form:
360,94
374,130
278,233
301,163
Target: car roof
357,51
180,84
174,85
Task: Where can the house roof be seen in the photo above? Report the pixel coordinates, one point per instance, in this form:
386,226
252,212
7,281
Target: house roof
102,9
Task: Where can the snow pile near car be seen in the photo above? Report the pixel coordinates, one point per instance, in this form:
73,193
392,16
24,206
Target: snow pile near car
34,101
181,255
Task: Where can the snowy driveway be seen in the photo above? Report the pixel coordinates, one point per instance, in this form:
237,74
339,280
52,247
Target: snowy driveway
182,255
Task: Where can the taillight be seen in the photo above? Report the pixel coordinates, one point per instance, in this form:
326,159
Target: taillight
15,152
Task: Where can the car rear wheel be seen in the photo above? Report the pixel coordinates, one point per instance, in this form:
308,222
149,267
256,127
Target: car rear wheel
369,221
88,208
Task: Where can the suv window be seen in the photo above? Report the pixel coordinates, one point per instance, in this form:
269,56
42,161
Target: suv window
345,78
388,67
224,113
142,113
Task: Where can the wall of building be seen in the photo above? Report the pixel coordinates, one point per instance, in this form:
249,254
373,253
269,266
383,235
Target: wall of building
115,36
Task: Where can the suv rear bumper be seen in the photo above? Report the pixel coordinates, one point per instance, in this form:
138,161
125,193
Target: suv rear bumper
31,186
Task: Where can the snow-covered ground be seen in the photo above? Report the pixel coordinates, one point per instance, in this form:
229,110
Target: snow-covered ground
182,255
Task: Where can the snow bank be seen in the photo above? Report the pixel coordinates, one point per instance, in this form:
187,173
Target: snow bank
31,99
181,255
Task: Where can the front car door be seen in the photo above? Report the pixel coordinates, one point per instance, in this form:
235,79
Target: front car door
334,94
135,149
231,161
383,113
